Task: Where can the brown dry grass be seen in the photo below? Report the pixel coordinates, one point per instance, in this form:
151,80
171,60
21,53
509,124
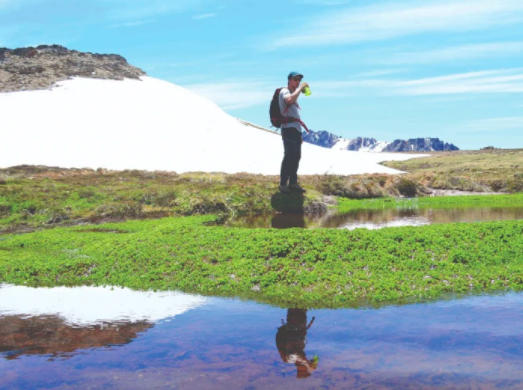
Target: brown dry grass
498,170
45,196
35,196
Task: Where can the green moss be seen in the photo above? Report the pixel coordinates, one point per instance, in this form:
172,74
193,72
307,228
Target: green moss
307,268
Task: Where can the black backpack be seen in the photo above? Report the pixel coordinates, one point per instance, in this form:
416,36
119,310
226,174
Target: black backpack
274,110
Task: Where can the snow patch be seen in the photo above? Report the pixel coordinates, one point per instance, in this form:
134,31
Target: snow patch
150,124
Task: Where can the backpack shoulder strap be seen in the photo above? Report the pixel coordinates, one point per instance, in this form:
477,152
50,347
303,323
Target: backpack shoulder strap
287,105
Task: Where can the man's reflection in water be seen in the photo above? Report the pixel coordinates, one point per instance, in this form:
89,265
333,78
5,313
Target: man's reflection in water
285,221
291,339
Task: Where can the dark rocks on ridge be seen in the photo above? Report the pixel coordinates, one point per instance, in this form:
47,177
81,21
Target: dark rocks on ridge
33,68
419,145
321,138
358,143
328,140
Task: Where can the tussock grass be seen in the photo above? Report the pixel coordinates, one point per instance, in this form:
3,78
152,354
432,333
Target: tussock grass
305,268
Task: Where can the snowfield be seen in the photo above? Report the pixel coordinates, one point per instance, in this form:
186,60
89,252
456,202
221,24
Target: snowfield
150,124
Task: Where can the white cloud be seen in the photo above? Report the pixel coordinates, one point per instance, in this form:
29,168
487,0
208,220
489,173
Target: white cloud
234,95
246,93
492,81
323,2
204,16
464,52
115,12
387,21
132,24
496,124
380,72
138,9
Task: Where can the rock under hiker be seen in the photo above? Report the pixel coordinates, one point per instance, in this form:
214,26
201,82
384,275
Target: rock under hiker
291,131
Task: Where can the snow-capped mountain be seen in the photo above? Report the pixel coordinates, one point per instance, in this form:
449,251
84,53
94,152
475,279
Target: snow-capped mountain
328,140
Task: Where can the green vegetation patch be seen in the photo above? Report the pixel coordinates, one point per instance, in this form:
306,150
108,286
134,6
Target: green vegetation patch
294,267
515,200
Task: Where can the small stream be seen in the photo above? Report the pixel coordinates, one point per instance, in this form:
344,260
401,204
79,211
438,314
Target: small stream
87,338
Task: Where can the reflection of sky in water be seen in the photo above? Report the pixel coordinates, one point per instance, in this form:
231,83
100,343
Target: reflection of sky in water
404,221
377,219
91,305
475,343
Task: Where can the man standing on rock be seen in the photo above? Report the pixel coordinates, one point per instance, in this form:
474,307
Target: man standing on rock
291,132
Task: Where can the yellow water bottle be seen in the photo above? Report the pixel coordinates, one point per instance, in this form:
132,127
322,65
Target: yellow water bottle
307,91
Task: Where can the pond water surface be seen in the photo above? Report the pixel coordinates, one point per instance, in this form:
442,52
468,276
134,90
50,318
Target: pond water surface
87,338
379,218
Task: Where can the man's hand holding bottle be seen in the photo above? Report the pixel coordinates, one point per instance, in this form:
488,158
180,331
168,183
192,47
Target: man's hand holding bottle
304,87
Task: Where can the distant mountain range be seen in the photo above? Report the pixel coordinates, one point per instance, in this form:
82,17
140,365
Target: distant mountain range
328,140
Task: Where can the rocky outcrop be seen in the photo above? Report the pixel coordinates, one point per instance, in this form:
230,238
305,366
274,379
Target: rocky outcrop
40,67
419,145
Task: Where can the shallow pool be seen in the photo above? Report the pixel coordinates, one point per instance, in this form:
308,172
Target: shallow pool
86,338
379,218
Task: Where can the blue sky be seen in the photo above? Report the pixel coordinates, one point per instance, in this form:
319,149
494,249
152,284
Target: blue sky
451,69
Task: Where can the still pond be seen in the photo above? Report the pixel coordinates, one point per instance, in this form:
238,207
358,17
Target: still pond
103,338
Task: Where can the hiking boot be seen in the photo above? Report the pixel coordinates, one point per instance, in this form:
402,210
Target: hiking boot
284,189
296,187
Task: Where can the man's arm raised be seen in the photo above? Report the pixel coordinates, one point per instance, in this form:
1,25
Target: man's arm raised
291,99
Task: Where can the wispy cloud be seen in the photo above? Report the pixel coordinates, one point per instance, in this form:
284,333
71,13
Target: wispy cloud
392,20
323,2
463,52
132,24
380,72
246,93
203,16
234,95
111,11
491,81
497,81
141,9
496,124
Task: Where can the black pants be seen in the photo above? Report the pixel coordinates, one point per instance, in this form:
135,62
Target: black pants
292,155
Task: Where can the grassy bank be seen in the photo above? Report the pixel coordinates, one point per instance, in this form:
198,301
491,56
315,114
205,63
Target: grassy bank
306,268
485,170
35,197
